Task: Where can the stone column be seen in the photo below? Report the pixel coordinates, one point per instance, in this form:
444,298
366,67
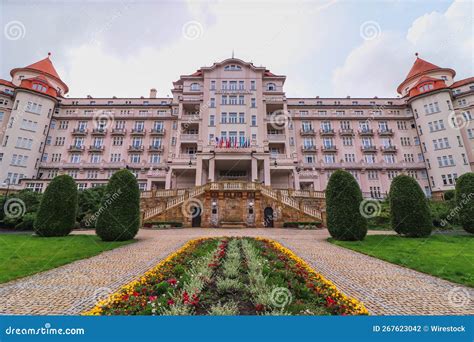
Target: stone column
266,171
198,170
254,169
168,179
296,178
212,169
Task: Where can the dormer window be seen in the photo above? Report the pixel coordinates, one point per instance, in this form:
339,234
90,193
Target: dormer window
195,87
232,67
444,78
39,87
271,86
426,87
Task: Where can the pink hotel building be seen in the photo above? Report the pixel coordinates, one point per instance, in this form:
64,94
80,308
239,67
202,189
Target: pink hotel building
232,121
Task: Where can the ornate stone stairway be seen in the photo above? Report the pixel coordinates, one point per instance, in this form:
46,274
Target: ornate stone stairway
160,202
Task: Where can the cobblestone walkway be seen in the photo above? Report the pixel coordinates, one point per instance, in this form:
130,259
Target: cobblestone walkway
384,288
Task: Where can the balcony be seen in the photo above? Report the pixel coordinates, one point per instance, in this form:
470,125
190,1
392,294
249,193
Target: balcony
366,132
309,148
155,148
390,148
385,132
96,148
138,131
346,131
135,148
326,132
119,131
307,131
277,155
329,148
76,148
189,137
157,131
368,148
99,131
79,131
276,137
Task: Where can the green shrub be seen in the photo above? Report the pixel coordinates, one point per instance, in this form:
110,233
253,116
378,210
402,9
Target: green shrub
309,225
465,201
343,198
57,212
442,214
172,224
119,215
410,214
449,195
27,222
30,203
89,202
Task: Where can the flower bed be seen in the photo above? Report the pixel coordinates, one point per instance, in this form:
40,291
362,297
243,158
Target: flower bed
230,276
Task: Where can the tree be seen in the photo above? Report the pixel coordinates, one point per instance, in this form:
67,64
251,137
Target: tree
57,211
119,216
465,201
343,199
410,214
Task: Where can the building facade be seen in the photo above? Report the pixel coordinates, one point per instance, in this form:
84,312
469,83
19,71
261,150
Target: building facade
232,121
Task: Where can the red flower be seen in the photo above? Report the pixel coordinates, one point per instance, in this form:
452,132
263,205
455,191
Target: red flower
152,298
171,281
170,302
259,307
330,301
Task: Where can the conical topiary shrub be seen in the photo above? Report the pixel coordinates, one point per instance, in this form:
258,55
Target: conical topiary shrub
57,211
119,214
409,211
465,201
343,198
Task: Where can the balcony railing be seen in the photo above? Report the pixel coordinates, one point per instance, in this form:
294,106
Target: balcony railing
390,148
369,148
76,148
155,148
367,131
99,131
135,148
157,131
326,131
385,132
307,131
96,148
138,131
189,137
329,148
276,137
119,131
309,148
346,131
79,131
276,155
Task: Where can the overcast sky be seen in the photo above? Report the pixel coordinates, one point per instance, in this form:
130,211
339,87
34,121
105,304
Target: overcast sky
325,48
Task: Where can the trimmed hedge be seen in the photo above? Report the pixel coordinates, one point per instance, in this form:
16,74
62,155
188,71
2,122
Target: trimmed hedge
449,195
465,201
119,214
343,198
299,224
57,211
174,224
409,211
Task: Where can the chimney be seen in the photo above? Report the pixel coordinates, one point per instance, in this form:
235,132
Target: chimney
152,93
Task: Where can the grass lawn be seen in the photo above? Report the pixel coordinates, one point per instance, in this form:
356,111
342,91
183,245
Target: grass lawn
23,254
445,256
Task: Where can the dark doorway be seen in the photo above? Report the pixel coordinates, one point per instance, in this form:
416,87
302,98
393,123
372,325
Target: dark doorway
268,217
196,216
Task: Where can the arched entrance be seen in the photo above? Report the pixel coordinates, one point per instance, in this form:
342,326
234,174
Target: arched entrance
268,217
196,216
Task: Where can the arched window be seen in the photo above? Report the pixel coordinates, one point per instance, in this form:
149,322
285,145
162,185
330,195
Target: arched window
271,87
39,87
195,87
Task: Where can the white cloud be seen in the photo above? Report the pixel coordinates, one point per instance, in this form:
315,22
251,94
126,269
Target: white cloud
376,67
